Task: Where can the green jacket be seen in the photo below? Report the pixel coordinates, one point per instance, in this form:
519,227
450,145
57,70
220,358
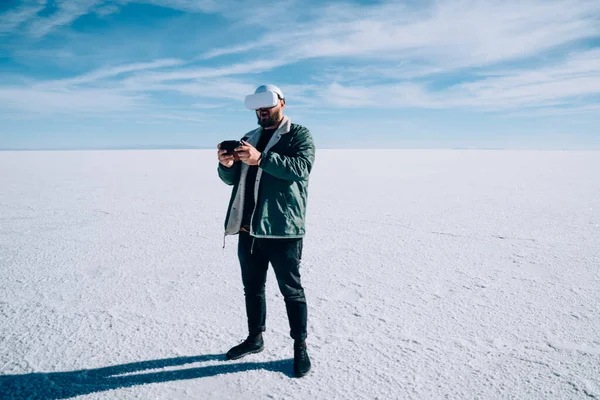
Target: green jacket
281,188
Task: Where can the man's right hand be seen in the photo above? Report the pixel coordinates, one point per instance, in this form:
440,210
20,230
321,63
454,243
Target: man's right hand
226,160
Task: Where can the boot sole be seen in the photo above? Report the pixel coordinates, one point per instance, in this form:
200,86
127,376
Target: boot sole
300,375
245,354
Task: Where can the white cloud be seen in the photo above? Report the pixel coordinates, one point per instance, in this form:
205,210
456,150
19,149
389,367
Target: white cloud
202,73
547,86
385,54
257,12
111,72
96,101
180,116
235,49
14,18
577,76
108,9
185,5
448,34
593,109
66,12
380,96
221,89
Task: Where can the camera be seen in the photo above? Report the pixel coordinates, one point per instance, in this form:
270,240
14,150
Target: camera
230,145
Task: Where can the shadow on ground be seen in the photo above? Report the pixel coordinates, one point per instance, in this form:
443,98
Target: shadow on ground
62,385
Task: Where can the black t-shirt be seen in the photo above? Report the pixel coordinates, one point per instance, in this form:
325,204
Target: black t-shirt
251,177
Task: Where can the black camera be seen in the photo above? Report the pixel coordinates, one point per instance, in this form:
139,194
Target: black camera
230,145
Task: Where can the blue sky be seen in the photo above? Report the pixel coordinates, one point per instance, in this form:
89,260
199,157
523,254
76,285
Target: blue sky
519,74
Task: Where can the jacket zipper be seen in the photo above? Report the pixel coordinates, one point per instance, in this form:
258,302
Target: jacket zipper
257,183
255,201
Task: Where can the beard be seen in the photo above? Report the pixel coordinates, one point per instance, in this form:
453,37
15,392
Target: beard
273,119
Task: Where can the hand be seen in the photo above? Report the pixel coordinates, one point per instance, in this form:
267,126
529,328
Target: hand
248,153
226,160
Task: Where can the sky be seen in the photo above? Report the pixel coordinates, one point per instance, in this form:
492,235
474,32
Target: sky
519,74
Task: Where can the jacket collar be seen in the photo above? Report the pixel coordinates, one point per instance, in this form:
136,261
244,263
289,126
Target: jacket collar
284,127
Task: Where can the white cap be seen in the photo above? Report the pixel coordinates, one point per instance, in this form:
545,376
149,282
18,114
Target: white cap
269,88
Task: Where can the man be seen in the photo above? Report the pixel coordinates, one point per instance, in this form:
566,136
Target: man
269,173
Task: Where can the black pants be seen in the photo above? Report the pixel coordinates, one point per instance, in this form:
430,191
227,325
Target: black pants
284,255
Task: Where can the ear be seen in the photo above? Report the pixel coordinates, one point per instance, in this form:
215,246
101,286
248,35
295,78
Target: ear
282,102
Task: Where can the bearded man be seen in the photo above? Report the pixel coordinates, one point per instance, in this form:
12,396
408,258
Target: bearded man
269,173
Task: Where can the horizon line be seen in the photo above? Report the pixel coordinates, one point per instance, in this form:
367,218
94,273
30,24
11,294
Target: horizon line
187,147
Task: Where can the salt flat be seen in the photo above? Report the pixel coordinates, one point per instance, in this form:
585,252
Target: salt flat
428,274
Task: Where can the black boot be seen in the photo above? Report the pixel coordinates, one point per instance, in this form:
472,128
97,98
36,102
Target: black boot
301,360
252,344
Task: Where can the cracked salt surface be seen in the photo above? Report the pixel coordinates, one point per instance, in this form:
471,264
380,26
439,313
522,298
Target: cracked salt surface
429,274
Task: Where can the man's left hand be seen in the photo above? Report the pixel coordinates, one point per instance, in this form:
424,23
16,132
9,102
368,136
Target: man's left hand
248,153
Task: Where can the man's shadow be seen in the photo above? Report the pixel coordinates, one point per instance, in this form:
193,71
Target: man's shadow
62,385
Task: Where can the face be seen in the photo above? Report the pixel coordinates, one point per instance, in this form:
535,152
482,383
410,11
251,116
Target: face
267,117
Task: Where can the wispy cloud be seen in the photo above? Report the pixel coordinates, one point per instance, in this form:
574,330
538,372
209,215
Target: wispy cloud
48,102
471,54
254,66
89,92
571,110
186,5
446,34
112,72
14,18
236,49
578,76
108,9
226,89
66,11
